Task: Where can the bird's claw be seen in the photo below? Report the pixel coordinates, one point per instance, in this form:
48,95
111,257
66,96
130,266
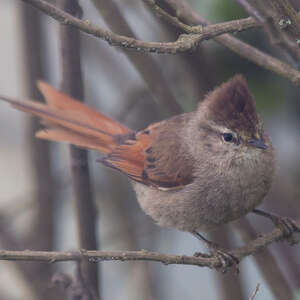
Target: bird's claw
225,258
288,226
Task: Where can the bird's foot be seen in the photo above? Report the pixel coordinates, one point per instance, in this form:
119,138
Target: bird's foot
287,225
225,258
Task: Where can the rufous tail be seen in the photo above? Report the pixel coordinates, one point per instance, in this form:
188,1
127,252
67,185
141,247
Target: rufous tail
68,120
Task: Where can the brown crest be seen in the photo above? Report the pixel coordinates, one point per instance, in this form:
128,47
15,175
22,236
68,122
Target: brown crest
233,106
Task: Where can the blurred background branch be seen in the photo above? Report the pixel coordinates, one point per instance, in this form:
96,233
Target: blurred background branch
143,63
85,209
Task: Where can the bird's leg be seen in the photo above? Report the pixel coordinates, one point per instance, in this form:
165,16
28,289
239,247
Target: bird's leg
226,259
287,225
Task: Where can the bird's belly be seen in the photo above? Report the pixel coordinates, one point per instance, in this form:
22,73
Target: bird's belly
195,207
167,208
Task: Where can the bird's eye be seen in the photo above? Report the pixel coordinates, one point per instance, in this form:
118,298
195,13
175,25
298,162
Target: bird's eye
228,137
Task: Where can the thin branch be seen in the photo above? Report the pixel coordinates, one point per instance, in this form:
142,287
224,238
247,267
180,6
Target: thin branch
255,292
230,26
214,29
171,19
251,10
189,16
286,11
281,23
252,247
185,42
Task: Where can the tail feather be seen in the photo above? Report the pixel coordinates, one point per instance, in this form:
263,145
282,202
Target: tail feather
68,120
72,137
84,113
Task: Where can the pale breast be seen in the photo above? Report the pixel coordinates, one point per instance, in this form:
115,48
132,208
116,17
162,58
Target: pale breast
217,196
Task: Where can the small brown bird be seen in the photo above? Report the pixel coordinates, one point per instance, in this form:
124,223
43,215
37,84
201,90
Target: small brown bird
194,172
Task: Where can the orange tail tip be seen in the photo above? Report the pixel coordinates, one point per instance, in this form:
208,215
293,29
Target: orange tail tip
86,114
68,120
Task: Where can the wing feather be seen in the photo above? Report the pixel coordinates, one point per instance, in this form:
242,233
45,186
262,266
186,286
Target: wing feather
155,156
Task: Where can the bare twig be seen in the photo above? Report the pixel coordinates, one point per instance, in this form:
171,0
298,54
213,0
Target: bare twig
244,24
185,42
171,19
251,10
281,23
252,247
82,191
255,292
287,9
185,13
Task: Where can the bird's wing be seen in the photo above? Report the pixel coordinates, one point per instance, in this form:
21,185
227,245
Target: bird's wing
154,156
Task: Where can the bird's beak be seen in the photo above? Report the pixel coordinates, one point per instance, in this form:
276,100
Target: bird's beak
257,144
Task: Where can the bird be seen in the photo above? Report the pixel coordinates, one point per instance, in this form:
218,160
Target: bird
195,171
